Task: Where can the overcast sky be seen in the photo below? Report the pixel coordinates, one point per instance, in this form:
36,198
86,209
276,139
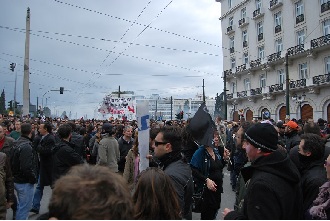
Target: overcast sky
91,47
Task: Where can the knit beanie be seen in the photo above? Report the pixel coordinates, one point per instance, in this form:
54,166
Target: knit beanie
263,136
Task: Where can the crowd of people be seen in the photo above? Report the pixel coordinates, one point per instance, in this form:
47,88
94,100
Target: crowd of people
278,170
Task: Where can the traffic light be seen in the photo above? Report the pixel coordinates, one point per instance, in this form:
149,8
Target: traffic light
10,105
61,90
12,67
181,115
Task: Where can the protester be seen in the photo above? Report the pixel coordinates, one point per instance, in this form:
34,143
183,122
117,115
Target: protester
17,132
273,182
291,133
7,197
167,145
44,148
25,169
320,208
90,193
108,151
125,144
64,154
155,197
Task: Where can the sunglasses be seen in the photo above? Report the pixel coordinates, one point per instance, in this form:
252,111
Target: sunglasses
159,143
326,163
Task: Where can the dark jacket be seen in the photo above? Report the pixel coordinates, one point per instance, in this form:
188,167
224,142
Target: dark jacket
64,157
292,139
8,179
7,145
181,176
273,191
25,166
79,144
124,147
44,149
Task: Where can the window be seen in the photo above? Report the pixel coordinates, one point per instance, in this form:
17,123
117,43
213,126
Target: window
324,1
230,3
247,85
246,58
243,13
326,27
231,21
233,87
278,18
233,62
244,38
258,4
327,65
281,76
299,8
260,28
279,45
262,80
231,45
301,37
261,52
303,71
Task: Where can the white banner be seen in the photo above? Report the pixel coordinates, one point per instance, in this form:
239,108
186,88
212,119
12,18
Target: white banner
142,117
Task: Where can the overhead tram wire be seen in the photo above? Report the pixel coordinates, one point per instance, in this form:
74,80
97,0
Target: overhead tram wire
23,30
127,55
158,29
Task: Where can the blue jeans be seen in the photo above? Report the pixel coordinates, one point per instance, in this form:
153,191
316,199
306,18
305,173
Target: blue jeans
37,196
24,198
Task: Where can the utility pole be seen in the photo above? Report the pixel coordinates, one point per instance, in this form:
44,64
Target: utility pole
287,87
225,94
171,108
203,93
26,80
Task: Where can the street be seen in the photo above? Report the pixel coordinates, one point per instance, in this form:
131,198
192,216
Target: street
228,199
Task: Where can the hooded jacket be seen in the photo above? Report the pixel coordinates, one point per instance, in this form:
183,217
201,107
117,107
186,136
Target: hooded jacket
273,189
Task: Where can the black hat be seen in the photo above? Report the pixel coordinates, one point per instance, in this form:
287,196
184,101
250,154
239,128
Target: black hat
280,124
264,136
107,128
202,126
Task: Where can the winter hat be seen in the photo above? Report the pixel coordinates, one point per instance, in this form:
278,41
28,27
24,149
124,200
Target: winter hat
107,128
263,136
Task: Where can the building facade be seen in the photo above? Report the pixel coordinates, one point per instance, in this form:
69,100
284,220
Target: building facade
268,44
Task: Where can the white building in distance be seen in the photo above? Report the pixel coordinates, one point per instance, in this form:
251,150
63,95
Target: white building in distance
257,35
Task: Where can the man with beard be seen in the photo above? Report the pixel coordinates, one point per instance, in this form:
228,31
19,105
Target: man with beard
291,133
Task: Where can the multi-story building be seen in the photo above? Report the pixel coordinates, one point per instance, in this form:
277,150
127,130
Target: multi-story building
257,37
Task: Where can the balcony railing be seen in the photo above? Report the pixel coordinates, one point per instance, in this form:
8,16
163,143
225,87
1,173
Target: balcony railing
320,79
318,42
260,36
241,21
256,91
274,57
276,87
255,63
325,7
245,44
256,12
241,68
296,50
229,29
298,83
300,18
228,72
274,4
230,96
278,28
231,50
242,94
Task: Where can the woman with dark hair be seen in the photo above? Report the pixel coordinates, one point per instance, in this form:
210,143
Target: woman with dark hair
155,197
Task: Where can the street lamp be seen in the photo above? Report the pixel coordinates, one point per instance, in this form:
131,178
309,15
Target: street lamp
299,99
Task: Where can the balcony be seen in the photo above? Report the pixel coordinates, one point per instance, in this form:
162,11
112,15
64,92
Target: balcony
296,50
255,63
260,36
278,28
242,94
228,72
300,18
325,7
241,68
258,13
244,44
276,88
321,41
243,22
321,79
256,91
274,57
298,83
231,50
273,4
230,96
230,29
